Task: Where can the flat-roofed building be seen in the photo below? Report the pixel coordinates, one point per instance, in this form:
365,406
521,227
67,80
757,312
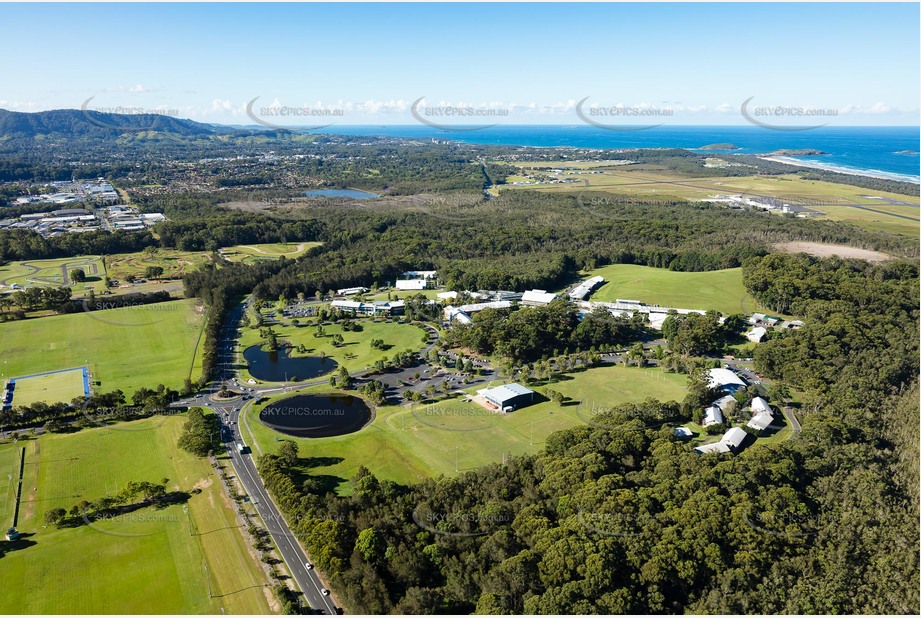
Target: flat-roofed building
507,397
537,298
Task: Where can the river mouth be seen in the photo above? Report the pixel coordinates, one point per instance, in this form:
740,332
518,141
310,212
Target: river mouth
279,366
316,416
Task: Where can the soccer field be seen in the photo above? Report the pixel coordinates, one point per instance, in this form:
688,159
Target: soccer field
50,387
721,290
124,348
406,444
183,559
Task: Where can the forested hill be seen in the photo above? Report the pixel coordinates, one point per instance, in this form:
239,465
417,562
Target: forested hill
78,123
621,517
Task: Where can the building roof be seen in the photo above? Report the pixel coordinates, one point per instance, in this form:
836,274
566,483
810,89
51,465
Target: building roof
496,304
724,377
580,291
759,404
683,432
713,447
446,295
734,437
347,304
723,401
410,284
538,296
761,421
712,416
504,393
756,334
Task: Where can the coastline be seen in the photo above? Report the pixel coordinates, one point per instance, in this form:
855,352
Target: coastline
844,170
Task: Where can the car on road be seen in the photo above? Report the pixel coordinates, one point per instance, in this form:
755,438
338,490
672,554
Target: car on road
325,592
309,566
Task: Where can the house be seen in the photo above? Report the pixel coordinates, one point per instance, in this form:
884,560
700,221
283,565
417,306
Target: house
762,415
410,284
725,379
683,432
713,415
454,314
734,438
729,443
792,324
508,397
537,298
757,334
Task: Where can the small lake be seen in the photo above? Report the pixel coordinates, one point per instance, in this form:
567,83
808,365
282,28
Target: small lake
316,416
280,367
354,194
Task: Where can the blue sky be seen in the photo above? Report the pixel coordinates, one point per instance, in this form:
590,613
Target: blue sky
368,63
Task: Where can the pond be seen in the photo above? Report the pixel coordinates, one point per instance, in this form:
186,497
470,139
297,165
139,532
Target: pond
316,416
280,367
354,194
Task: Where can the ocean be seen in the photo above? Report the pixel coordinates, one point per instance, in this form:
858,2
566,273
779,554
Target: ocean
885,152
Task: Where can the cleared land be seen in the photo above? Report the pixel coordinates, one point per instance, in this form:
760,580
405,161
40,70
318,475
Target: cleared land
60,386
405,444
721,290
124,348
173,262
819,249
355,352
873,210
149,561
268,251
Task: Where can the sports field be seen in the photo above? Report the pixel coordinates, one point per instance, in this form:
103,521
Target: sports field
405,444
49,387
56,273
268,251
150,561
721,290
124,348
355,352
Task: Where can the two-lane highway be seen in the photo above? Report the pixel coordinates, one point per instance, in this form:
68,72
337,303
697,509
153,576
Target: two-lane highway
308,580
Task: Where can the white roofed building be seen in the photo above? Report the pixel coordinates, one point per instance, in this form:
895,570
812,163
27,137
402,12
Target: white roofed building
725,379
757,334
508,397
410,284
537,298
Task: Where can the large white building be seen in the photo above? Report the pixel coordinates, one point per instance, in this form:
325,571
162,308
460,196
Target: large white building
729,443
411,284
508,397
584,289
420,274
757,334
725,379
763,415
537,298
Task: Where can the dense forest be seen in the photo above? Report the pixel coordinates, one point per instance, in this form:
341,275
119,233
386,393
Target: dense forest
619,518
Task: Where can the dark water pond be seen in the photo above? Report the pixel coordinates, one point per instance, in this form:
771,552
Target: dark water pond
280,367
317,416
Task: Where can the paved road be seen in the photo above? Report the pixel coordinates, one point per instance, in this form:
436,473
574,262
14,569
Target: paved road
291,551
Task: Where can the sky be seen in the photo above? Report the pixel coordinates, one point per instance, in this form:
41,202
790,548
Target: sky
351,64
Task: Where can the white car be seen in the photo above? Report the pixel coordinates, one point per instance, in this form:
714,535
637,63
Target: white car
325,592
309,566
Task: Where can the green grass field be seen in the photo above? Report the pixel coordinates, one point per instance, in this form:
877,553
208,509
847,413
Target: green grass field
836,200
268,251
405,444
124,348
721,290
173,262
148,562
356,352
62,386
56,273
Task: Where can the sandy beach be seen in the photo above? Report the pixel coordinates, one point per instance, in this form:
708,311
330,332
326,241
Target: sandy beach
849,172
